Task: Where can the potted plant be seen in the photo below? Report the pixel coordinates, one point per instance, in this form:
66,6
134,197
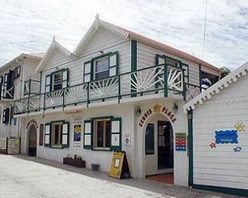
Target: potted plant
76,161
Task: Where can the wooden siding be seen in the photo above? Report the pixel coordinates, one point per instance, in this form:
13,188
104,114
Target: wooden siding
103,41
147,56
58,61
222,166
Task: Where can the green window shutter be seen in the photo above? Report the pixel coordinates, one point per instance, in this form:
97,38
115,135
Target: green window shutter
116,134
65,134
48,83
87,71
65,82
10,79
6,116
185,68
88,134
113,64
47,135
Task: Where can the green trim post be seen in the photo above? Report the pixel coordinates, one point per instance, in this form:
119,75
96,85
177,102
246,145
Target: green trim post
200,75
133,64
165,80
190,147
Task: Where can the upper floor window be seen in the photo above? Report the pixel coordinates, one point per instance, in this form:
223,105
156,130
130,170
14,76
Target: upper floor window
57,80
162,59
17,72
101,67
7,89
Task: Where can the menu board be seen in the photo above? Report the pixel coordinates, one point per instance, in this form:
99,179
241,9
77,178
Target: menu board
13,145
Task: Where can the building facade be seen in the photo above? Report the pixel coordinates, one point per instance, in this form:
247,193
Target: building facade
15,77
218,120
118,91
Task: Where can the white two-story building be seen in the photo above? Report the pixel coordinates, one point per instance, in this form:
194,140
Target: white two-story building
15,77
118,91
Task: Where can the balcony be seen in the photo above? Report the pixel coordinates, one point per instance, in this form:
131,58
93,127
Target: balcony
156,81
31,87
7,92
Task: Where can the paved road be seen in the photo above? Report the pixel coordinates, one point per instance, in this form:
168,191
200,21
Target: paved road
29,177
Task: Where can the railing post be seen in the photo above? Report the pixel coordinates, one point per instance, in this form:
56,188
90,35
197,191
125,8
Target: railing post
88,94
119,88
44,101
184,85
29,87
63,99
165,80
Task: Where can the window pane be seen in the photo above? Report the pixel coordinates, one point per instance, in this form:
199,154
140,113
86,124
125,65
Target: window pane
101,65
56,135
101,68
149,139
112,60
112,71
57,81
87,78
108,133
102,133
87,68
102,75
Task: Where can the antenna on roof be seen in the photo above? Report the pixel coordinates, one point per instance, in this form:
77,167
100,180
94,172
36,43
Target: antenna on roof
205,27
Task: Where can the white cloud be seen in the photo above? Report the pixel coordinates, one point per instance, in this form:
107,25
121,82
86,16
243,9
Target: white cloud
30,25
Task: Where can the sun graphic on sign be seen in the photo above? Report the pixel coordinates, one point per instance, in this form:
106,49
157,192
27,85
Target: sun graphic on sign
240,127
156,108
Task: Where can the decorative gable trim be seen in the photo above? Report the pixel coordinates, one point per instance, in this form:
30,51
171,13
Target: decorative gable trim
217,87
49,53
93,29
127,34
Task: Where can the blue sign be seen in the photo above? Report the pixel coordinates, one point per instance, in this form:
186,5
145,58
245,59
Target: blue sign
226,137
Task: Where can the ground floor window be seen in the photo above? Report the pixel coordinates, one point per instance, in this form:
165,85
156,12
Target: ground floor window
57,134
102,133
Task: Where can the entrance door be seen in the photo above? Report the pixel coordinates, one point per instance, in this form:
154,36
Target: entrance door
165,145
32,141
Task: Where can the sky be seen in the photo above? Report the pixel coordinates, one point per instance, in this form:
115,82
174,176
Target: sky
30,25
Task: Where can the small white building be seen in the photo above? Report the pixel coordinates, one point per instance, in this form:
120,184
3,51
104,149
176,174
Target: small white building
15,77
117,91
218,135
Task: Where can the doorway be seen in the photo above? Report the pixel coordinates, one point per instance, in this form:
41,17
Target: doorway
159,150
32,141
165,145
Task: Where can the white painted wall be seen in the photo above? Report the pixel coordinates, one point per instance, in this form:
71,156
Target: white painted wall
180,125
221,166
101,157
